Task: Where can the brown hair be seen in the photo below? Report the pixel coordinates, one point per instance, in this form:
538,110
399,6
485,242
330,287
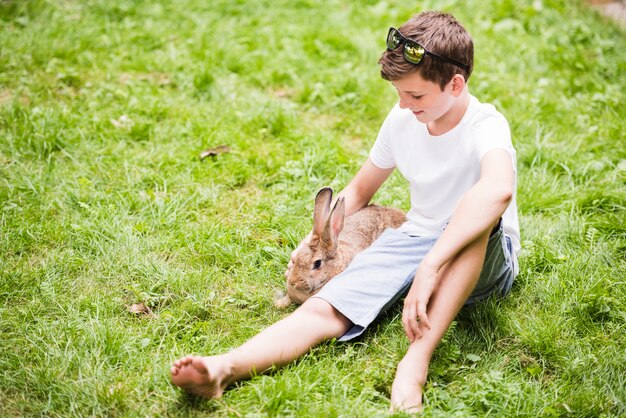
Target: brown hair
439,33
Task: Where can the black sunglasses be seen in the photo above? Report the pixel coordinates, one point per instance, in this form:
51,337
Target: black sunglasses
414,52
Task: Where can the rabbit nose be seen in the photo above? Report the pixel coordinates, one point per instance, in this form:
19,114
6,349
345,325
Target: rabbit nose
300,286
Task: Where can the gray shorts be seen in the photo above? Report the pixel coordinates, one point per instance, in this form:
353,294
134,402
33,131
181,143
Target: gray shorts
381,274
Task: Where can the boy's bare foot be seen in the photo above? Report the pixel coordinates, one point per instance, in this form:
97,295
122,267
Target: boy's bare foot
202,376
406,390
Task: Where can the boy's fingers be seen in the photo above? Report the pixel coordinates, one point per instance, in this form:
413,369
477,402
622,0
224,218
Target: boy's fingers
421,314
413,318
407,331
415,328
407,313
411,321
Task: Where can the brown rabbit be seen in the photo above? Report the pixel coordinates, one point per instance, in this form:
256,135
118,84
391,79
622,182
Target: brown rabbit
334,243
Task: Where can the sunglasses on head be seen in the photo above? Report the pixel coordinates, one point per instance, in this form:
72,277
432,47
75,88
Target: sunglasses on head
414,52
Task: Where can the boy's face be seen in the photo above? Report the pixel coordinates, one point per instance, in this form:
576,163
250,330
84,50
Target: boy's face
424,98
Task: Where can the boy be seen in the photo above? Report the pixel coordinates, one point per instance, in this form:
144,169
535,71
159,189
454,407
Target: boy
458,246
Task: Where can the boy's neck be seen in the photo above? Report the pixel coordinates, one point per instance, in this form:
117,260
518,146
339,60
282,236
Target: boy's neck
452,117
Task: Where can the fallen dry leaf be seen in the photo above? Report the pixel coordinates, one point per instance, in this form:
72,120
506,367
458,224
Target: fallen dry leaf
212,152
140,309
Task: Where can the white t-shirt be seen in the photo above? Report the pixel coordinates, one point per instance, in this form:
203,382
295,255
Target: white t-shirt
441,169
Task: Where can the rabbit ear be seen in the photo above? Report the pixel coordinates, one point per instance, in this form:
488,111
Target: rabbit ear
322,209
334,225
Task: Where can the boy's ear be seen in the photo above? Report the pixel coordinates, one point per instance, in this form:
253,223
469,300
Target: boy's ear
458,84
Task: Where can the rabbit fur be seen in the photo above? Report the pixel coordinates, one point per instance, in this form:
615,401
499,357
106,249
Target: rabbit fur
333,244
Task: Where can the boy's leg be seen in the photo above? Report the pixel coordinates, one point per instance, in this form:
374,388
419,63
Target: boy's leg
313,322
456,281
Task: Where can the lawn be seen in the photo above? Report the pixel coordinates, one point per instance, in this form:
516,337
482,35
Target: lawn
105,107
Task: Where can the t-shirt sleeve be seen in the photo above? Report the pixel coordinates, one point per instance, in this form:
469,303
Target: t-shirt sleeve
493,133
381,154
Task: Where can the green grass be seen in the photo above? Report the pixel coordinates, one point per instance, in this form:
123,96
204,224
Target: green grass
104,109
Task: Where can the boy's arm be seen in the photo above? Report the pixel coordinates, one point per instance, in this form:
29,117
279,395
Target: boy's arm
357,194
478,211
363,186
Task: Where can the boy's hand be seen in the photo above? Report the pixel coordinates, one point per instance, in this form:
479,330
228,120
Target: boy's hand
414,315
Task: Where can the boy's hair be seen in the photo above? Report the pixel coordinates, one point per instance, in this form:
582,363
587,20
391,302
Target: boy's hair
439,33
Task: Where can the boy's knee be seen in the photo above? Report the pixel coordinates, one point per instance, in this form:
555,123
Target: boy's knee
324,311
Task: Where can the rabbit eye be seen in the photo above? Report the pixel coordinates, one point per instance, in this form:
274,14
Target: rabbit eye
317,264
